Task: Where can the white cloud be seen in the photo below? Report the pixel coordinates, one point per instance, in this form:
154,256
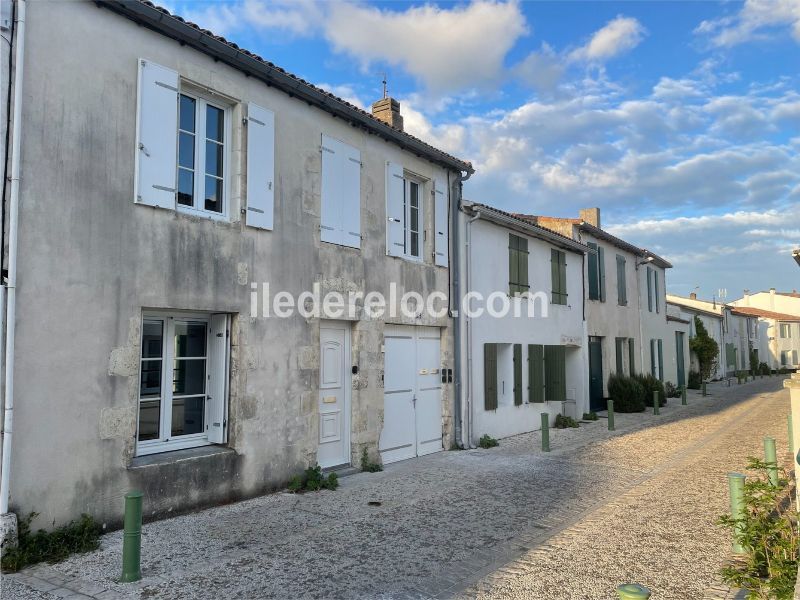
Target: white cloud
752,22
618,36
702,222
542,69
293,17
447,49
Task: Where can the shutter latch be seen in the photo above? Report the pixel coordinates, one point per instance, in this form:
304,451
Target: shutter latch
143,149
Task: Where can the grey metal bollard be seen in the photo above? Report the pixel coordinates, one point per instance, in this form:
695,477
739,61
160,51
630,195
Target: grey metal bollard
611,415
656,403
545,432
683,395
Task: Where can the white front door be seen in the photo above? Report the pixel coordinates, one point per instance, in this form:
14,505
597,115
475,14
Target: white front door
334,395
412,410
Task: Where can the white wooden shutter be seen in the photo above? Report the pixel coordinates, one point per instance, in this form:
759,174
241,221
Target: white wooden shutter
350,166
260,166
216,403
157,135
395,210
440,223
331,192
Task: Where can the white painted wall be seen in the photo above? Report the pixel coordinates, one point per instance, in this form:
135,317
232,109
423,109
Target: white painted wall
654,323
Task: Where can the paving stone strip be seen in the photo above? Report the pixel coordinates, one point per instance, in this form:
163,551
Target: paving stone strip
468,523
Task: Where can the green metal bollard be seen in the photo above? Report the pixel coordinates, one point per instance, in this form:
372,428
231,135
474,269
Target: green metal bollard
791,433
704,389
132,538
736,489
683,395
633,591
611,415
545,432
771,458
656,403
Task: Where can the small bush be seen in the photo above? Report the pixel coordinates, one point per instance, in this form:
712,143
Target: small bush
650,385
671,390
763,369
695,381
590,416
627,393
78,536
367,465
564,422
312,480
487,441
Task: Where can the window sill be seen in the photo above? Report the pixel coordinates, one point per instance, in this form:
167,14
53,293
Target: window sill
170,457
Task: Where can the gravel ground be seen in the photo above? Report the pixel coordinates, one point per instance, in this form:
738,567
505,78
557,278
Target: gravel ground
637,504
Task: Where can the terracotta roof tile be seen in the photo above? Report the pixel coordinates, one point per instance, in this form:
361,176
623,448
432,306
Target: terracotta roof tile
749,311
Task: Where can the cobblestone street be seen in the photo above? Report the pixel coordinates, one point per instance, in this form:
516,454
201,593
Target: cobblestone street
602,508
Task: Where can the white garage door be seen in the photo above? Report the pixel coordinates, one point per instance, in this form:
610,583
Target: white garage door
412,417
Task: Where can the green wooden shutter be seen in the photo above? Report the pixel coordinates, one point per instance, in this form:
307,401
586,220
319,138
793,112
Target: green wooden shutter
631,357
622,294
523,265
513,265
555,382
649,289
535,373
619,344
655,290
661,360
555,282
562,275
490,376
594,282
653,358
517,374
601,259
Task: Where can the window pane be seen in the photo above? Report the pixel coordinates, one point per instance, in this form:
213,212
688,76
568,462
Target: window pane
190,338
187,113
187,416
189,377
149,413
213,194
152,339
414,195
185,187
215,119
150,379
414,244
186,150
214,159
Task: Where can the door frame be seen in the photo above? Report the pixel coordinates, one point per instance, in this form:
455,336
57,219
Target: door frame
680,358
598,340
347,383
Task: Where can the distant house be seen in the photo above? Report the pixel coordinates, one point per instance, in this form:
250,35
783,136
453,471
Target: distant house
779,345
712,318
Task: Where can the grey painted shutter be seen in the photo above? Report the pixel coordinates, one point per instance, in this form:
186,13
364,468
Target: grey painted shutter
441,223
350,165
535,373
331,192
655,290
217,391
157,133
649,289
490,376
594,282
653,358
631,357
517,374
661,360
619,351
395,210
601,261
260,166
622,295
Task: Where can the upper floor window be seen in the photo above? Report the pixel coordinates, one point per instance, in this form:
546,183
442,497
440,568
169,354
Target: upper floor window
786,330
412,209
202,155
558,276
597,272
340,220
517,265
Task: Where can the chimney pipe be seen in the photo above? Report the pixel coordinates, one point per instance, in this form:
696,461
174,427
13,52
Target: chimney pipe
692,296
746,298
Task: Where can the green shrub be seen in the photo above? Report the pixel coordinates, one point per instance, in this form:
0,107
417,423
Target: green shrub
312,480
487,441
367,465
763,369
705,349
590,416
671,390
627,393
767,534
651,384
695,380
564,422
78,536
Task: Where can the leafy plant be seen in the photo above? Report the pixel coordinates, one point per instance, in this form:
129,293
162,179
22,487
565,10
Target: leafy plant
705,348
590,416
768,534
763,369
312,480
753,362
564,422
627,393
651,384
487,441
695,381
671,390
367,465
78,536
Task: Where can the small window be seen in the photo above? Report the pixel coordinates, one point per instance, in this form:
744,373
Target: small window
412,204
202,156
786,330
179,365
517,265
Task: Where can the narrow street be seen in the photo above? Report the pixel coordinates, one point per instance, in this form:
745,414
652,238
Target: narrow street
636,505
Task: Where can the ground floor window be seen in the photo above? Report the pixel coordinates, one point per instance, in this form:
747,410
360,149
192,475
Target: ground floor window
183,381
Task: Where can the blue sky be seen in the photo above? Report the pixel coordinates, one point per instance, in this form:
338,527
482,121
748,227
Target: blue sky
681,120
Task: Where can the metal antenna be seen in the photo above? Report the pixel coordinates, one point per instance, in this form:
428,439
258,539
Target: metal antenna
384,86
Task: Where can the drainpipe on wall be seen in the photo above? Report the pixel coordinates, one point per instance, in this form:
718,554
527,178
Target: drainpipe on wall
468,320
11,280
455,270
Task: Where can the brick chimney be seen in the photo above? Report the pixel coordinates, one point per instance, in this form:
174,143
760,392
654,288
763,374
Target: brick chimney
692,296
590,216
388,110
746,298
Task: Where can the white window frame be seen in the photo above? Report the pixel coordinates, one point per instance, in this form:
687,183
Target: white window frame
166,442
408,179
201,102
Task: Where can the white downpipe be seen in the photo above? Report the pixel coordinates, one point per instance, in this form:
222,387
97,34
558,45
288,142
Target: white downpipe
11,282
470,391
